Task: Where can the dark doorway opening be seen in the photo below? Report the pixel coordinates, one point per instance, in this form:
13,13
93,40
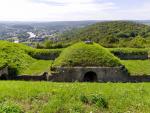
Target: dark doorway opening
3,77
90,77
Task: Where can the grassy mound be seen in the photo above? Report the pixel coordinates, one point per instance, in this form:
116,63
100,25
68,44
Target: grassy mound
15,56
82,54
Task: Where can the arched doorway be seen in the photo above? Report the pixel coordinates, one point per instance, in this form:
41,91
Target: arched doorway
90,77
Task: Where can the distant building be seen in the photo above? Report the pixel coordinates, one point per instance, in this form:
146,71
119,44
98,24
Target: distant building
16,41
32,35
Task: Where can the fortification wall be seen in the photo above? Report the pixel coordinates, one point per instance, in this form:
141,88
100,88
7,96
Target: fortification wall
50,56
132,57
104,74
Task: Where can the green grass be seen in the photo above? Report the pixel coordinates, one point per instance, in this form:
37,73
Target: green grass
82,54
137,67
47,97
38,68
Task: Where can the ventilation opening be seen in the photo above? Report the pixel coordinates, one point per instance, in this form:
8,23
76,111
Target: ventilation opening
90,77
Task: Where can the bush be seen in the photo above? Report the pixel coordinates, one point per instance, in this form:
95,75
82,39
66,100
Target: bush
10,108
138,42
99,101
84,99
94,99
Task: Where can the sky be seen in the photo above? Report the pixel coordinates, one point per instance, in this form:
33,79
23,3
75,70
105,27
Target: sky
74,10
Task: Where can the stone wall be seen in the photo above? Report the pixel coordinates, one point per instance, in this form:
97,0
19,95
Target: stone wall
50,56
104,74
31,78
4,73
139,79
132,57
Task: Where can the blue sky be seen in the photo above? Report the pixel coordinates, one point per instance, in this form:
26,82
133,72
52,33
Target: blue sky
72,10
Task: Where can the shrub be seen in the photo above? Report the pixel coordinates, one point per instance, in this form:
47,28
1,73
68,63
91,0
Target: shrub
99,100
10,108
84,99
94,99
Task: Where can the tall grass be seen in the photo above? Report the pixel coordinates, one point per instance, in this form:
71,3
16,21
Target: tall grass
46,97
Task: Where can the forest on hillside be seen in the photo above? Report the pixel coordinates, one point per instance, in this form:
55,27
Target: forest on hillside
111,34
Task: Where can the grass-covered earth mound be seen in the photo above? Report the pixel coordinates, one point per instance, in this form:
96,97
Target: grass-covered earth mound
82,54
14,56
22,59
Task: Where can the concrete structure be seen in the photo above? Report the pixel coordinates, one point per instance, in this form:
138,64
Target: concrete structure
90,74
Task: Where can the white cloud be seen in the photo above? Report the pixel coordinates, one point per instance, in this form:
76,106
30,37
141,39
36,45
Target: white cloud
140,12
54,10
50,10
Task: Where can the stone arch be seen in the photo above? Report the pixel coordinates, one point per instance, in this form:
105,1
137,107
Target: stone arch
90,77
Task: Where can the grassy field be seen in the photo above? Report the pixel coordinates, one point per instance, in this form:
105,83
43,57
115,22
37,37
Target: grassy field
38,68
137,67
47,97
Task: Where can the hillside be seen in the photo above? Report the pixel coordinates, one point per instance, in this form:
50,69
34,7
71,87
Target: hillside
110,34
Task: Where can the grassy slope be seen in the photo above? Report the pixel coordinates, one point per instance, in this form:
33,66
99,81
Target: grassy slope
45,97
15,55
38,68
18,58
137,67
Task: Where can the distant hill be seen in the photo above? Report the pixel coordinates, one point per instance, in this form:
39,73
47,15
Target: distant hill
17,29
110,33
